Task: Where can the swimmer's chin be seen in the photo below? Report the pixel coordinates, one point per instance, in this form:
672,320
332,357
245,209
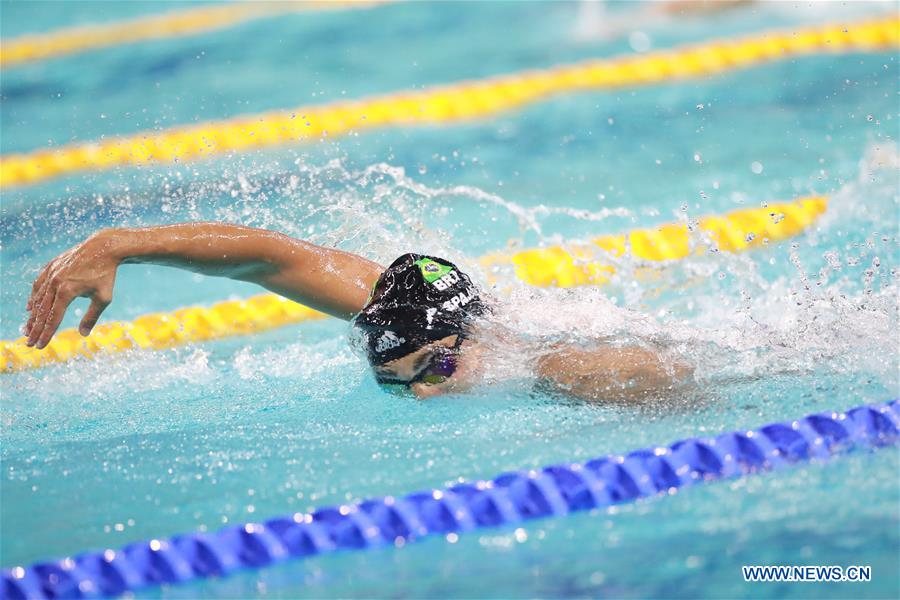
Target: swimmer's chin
424,391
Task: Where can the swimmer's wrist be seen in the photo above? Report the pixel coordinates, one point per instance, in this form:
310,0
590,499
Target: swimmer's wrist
117,244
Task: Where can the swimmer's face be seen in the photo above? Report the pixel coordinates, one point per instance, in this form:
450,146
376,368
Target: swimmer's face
416,365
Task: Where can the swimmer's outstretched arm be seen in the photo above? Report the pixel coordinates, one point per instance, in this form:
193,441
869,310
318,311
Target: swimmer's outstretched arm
329,280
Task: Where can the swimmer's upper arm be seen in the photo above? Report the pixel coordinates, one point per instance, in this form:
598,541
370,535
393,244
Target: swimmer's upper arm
611,373
333,281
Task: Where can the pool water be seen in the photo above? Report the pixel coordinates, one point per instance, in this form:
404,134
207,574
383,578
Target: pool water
99,453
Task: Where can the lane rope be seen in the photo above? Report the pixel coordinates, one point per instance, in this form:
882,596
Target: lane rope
579,264
176,23
442,104
589,263
504,501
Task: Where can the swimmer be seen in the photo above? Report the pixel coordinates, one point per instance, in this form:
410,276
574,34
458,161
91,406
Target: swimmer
417,320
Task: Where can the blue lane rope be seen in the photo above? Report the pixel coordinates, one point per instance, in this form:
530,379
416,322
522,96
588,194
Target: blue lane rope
507,499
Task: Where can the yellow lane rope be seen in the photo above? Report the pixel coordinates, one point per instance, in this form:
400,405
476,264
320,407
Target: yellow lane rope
555,266
578,264
465,100
178,23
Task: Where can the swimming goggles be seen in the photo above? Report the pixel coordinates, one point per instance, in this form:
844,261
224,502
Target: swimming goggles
440,365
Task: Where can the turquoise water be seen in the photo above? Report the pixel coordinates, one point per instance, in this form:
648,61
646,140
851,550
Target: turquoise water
97,454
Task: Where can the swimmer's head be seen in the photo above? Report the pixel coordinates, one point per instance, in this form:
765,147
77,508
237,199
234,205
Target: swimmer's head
416,301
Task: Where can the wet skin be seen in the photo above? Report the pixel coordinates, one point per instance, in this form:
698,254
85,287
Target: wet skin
332,281
413,364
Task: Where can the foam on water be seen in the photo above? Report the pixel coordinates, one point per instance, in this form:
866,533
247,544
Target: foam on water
832,304
805,313
100,453
835,309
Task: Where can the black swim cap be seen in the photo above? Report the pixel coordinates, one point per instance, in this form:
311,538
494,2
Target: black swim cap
417,300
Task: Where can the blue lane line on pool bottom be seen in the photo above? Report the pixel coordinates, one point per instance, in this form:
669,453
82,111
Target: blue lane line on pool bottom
508,499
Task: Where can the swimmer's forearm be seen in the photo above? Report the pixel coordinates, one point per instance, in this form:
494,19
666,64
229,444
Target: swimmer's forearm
330,280
209,248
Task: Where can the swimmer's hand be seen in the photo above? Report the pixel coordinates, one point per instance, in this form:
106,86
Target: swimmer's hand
332,281
87,270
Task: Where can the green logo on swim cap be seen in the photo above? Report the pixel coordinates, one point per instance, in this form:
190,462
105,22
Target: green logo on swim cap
432,271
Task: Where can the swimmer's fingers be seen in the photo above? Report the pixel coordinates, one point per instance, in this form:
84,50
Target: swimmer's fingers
39,290
41,302
37,286
57,310
98,305
30,322
50,318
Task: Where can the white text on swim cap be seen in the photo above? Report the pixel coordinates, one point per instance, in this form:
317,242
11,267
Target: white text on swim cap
446,281
460,299
387,341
